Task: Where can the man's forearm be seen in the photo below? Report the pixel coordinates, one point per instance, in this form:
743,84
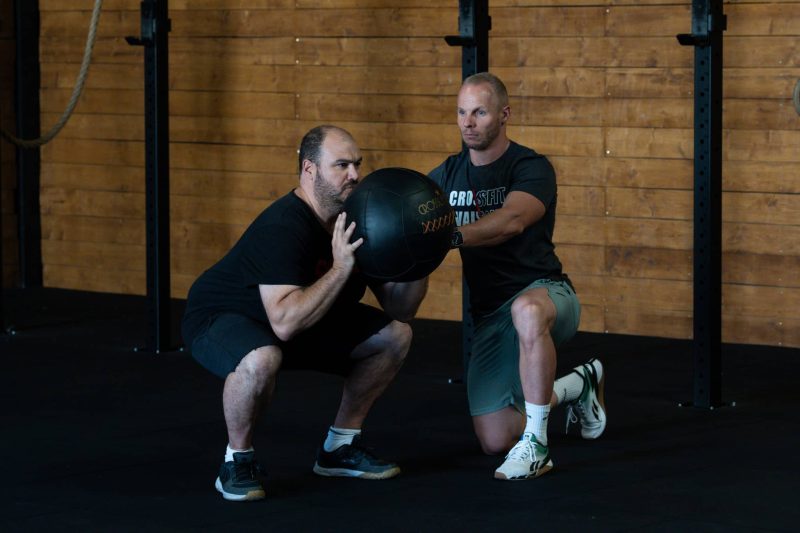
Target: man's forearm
494,228
302,308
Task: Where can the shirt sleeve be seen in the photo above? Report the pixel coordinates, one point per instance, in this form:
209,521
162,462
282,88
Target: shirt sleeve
437,175
536,176
275,255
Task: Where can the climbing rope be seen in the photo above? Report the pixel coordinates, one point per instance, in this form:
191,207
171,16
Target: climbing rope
76,91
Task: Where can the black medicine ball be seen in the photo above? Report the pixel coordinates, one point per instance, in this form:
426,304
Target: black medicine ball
406,222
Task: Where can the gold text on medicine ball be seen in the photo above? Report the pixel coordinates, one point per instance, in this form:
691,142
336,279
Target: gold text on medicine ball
434,225
431,205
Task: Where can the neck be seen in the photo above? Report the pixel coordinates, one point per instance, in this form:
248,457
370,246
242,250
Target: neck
490,154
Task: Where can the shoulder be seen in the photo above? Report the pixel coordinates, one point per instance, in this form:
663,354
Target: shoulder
284,220
518,152
286,210
447,167
524,159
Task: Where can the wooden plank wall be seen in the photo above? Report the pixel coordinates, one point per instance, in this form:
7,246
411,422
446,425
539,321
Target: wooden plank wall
602,87
8,237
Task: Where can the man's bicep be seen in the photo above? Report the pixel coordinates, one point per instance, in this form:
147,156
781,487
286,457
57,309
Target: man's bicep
524,205
535,176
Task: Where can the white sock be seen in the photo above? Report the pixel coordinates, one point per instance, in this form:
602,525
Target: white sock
568,388
230,451
339,437
536,423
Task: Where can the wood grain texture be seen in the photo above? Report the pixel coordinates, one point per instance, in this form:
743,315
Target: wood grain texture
601,87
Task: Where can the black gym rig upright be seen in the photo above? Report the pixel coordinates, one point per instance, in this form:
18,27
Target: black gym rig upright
28,160
155,26
474,24
708,23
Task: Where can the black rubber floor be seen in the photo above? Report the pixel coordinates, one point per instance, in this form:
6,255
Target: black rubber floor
99,437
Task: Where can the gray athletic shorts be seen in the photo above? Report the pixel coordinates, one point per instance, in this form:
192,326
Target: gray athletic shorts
326,346
492,373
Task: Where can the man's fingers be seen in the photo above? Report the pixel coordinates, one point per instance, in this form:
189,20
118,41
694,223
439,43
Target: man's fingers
350,229
340,220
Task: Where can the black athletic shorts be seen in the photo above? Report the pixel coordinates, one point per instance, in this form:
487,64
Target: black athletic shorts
326,346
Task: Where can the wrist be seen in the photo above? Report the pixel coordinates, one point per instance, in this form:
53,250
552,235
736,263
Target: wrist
457,240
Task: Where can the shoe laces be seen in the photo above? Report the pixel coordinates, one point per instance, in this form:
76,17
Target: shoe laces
360,449
248,470
522,451
572,416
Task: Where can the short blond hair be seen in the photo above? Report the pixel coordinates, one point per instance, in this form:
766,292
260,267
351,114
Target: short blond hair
496,84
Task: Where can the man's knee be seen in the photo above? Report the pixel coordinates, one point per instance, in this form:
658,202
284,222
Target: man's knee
495,442
533,312
493,445
261,364
497,432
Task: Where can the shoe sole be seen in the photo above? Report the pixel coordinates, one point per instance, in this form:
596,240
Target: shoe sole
252,495
601,385
543,470
344,472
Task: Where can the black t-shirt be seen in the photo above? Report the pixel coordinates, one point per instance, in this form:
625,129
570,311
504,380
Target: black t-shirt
495,274
285,245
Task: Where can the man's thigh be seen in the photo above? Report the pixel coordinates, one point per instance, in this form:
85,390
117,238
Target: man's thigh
568,309
227,339
493,381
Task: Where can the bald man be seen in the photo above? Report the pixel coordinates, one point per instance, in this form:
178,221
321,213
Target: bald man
522,303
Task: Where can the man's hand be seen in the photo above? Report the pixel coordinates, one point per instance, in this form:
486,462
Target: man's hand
344,250
292,309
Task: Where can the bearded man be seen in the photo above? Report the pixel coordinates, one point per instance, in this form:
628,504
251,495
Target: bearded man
287,296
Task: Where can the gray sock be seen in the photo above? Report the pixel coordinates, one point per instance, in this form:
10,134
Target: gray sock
339,437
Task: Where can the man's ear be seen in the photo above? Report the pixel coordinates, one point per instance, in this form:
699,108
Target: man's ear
506,114
308,166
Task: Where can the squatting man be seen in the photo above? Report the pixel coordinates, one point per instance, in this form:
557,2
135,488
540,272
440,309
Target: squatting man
287,296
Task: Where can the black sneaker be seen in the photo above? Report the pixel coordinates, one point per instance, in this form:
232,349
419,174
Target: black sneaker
239,479
351,460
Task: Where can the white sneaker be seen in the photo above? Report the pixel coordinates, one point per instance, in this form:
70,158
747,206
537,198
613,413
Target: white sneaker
589,409
527,459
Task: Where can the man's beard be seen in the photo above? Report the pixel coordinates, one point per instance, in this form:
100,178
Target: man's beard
482,144
329,197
